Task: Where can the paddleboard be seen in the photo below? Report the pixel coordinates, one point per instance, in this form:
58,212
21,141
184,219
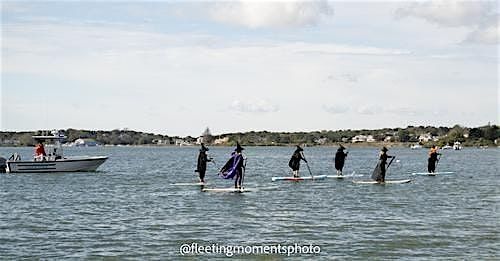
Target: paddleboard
298,179
386,182
235,190
336,176
227,190
190,184
433,174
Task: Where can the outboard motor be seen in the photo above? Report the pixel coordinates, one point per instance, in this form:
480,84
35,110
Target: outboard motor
3,165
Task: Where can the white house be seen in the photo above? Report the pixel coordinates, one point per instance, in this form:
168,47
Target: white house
427,137
200,140
221,140
358,138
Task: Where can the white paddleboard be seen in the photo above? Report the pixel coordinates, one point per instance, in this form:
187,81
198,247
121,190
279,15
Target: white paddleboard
386,182
190,184
227,190
336,176
242,190
298,179
433,174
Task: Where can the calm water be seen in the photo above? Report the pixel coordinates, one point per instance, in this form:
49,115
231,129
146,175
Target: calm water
128,209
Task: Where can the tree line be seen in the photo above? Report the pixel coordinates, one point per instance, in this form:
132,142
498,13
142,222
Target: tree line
477,136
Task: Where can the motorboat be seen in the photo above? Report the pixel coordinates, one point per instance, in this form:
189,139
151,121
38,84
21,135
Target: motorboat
55,161
416,146
457,145
446,147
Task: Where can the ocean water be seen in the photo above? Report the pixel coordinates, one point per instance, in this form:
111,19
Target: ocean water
128,209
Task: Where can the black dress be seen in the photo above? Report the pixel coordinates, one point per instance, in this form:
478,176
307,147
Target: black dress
294,162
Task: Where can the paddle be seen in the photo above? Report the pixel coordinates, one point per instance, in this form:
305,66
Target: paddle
390,162
244,169
307,164
439,158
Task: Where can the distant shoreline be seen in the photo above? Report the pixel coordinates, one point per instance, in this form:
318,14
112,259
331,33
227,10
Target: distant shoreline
425,136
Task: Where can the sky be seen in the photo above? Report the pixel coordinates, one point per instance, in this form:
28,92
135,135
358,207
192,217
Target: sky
175,68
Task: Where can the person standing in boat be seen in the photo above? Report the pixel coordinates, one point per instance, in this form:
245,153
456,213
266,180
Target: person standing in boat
379,171
201,167
433,158
294,162
235,167
340,159
40,151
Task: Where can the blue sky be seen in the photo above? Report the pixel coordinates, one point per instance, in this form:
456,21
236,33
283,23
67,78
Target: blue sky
175,68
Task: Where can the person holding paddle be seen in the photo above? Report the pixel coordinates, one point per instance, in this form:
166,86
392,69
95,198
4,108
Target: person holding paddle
294,162
433,159
201,167
234,167
340,159
379,171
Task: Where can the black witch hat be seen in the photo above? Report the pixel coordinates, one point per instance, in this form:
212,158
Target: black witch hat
238,147
203,148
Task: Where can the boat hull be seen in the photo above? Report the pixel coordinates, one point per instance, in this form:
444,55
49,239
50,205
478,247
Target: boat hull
59,165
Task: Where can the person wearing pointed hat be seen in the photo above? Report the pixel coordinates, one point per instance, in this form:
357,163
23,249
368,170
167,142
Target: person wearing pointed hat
340,159
234,167
379,172
201,167
294,162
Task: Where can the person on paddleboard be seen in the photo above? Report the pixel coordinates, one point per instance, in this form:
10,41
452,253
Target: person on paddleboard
201,167
433,158
340,159
379,172
294,162
234,167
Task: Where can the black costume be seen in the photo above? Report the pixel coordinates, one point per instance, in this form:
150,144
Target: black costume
294,162
340,158
379,171
433,158
234,167
201,167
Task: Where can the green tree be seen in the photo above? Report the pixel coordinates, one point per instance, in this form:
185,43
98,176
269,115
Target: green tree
404,135
475,133
491,132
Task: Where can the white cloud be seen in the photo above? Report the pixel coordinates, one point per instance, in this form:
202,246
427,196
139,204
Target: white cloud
262,14
253,106
335,109
370,109
117,67
489,35
480,16
449,13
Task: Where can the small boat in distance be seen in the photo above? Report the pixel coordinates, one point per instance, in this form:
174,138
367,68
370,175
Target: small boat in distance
55,161
457,145
416,146
446,147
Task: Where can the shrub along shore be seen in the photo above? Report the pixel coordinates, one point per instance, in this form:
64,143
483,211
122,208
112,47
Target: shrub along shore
426,136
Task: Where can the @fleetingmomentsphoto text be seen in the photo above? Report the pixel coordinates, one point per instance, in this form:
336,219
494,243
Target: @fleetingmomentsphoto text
194,248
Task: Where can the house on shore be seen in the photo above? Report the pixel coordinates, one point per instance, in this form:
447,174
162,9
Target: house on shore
363,138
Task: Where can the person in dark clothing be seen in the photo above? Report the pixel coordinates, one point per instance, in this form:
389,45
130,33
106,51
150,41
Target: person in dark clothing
379,172
201,167
340,159
294,162
433,158
235,167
